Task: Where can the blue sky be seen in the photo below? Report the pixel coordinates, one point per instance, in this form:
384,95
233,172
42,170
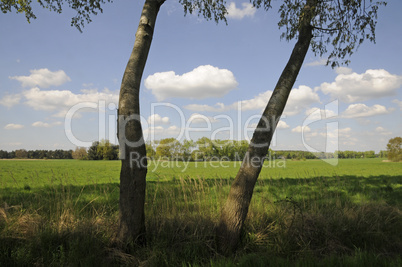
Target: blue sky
201,79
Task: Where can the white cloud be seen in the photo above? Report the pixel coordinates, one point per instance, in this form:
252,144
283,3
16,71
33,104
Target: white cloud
282,125
13,126
299,99
362,110
321,62
63,100
398,102
237,13
351,87
382,131
43,78
202,82
343,70
345,132
219,107
157,119
158,132
41,124
300,129
315,114
257,103
10,100
199,118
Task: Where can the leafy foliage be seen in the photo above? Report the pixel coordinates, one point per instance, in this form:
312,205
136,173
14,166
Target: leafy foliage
342,24
209,9
84,8
394,148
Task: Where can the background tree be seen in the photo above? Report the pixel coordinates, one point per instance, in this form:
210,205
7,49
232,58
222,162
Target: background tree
169,148
80,153
151,153
21,154
383,154
187,148
105,150
394,149
93,153
344,25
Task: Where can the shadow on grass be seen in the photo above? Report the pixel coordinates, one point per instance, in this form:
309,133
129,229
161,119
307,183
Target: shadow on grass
289,220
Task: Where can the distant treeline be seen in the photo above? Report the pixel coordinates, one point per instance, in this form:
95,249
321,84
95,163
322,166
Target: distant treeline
203,149
37,154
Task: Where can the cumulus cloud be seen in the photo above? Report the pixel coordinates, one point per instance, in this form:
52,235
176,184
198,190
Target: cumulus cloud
155,132
321,62
382,131
41,124
282,125
13,126
239,13
345,132
315,114
257,103
202,82
362,110
343,70
10,100
158,119
43,78
199,118
300,129
218,107
351,86
63,100
299,99
398,102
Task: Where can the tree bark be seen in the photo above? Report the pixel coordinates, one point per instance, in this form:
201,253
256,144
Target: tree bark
236,207
132,147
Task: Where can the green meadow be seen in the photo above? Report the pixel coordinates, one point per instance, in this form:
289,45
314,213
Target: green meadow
303,213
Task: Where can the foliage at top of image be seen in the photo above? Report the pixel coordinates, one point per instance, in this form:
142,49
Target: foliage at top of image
342,25
84,9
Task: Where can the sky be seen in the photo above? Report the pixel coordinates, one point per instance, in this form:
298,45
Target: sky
59,87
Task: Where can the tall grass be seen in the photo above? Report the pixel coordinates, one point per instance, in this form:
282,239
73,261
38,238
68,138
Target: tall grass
316,221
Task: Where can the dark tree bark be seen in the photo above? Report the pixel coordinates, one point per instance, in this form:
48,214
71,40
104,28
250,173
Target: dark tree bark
132,147
236,207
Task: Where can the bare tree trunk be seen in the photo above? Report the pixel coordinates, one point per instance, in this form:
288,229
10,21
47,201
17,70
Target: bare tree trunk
132,147
236,207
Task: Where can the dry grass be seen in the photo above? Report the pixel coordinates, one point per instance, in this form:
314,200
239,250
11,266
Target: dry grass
64,225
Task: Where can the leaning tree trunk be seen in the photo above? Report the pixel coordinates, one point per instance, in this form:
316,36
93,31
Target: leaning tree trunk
236,207
132,146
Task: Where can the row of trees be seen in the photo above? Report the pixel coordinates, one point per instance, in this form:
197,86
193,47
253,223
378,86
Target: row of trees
36,154
204,149
103,150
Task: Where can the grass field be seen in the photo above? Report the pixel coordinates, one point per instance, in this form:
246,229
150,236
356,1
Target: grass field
303,213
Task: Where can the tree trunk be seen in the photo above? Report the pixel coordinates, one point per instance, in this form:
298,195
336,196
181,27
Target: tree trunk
132,147
236,207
